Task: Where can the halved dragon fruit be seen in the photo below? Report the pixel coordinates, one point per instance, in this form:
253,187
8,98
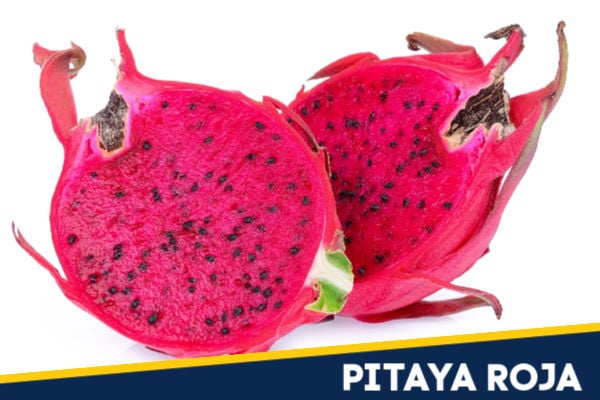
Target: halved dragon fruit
191,219
426,151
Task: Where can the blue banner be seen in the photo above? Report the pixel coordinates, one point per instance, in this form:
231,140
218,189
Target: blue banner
550,363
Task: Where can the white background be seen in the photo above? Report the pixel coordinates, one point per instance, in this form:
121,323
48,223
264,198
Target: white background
543,263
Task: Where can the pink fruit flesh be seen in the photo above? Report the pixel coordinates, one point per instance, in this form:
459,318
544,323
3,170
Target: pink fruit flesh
186,217
419,149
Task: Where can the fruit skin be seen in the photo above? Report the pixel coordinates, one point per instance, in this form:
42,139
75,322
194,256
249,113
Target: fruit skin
343,110
134,249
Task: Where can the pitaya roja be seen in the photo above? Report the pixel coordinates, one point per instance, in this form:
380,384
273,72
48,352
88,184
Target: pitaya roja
426,151
193,220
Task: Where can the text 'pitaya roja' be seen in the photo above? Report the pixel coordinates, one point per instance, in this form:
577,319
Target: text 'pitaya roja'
426,151
193,220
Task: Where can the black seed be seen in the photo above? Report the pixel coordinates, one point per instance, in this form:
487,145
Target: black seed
261,228
393,144
270,161
399,168
329,97
126,290
71,239
146,145
143,266
374,207
435,164
113,290
164,104
361,270
421,103
412,154
347,240
208,175
94,174
383,95
279,280
447,205
423,152
197,245
206,220
146,253
304,111
382,130
429,117
191,289
417,126
429,229
272,209
417,141
407,105
276,137
209,321
251,156
330,126
248,220
352,123
131,275
305,200
232,237
188,224
222,179
239,310
384,198
224,331
334,176
372,116
261,307
271,186
389,185
348,224
317,104
251,257
192,280
379,258
267,293
427,169
405,203
421,204
369,163
210,258
278,304
156,195
89,257
435,107
208,140
237,252
93,278
213,277
120,194
260,126
202,231
192,106
134,304
164,247
362,198
294,250
263,275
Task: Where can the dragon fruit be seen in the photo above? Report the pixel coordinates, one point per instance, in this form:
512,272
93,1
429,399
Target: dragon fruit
193,220
420,152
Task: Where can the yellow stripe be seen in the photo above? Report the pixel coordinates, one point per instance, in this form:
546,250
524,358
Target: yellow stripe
287,354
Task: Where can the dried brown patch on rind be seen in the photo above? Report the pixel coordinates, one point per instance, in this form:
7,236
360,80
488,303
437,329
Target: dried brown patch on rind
111,123
488,107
